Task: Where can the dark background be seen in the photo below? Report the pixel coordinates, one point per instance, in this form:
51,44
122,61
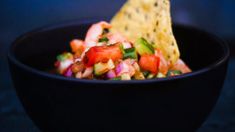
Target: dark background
20,16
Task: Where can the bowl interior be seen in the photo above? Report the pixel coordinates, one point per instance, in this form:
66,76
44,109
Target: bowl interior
38,49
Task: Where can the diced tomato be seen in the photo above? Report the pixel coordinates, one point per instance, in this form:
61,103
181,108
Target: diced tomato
102,54
149,63
181,66
163,66
77,46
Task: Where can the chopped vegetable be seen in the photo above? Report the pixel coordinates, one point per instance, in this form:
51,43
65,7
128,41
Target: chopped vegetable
68,72
173,73
102,54
139,76
116,78
64,56
101,68
88,72
64,61
146,73
143,47
78,75
111,74
150,76
130,53
125,76
160,75
125,67
104,39
149,63
126,45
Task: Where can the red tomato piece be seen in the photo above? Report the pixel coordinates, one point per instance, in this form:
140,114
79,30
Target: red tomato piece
102,54
149,63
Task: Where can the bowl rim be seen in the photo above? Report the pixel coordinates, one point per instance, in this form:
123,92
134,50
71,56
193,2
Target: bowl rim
12,58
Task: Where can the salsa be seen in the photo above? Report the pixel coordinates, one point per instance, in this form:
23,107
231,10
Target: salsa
105,55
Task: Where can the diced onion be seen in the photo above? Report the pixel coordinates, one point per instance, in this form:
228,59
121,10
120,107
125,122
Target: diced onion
68,72
88,72
111,74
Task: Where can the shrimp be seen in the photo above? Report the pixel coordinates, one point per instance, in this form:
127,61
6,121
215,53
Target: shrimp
180,65
163,66
94,33
117,37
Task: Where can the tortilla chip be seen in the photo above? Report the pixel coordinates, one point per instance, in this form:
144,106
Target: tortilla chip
149,19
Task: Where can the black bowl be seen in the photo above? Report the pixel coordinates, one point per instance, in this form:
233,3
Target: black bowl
56,103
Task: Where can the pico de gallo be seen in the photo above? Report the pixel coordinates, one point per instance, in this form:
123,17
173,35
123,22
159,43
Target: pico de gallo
111,56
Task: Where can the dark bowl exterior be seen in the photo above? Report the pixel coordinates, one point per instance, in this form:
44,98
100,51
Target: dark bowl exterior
56,103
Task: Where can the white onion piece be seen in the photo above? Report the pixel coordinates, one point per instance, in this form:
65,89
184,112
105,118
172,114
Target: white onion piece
110,64
125,67
122,68
78,75
126,45
88,72
64,65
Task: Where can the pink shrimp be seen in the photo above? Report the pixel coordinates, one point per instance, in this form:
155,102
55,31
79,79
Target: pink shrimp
180,65
163,66
94,33
117,37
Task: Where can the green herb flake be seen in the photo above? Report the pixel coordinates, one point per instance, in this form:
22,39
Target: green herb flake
104,39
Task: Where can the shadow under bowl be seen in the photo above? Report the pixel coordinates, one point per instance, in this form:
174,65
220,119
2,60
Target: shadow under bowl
56,103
